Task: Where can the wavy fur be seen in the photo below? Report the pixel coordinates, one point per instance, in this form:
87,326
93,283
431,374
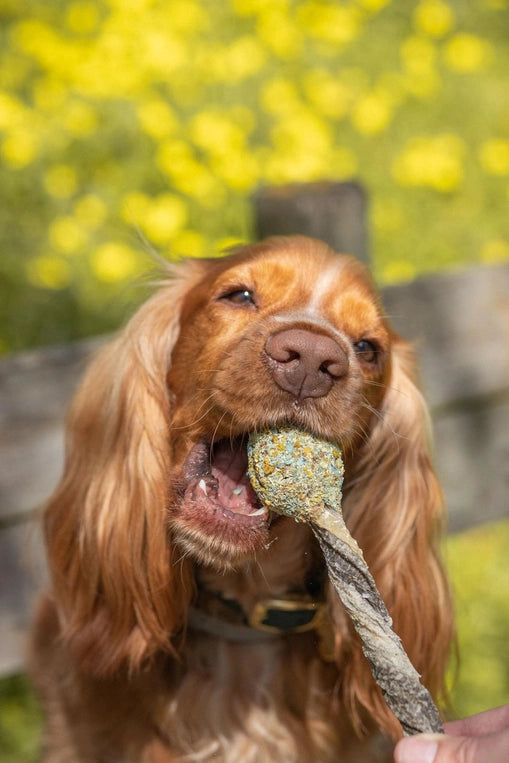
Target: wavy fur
130,538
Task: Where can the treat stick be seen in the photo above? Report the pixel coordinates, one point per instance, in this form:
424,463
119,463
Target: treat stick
299,475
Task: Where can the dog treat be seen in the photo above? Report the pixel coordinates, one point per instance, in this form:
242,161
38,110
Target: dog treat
301,476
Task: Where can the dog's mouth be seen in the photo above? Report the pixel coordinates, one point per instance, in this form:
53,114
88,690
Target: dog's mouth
216,479
216,515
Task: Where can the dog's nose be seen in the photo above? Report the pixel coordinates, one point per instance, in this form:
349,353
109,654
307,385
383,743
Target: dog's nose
305,363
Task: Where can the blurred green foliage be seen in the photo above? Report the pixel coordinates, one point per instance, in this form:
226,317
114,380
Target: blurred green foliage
20,721
129,119
477,562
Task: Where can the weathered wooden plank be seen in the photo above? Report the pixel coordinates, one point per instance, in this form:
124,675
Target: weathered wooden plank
22,575
472,460
459,323
333,212
35,389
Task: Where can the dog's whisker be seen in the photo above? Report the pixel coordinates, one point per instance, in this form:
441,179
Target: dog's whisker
214,433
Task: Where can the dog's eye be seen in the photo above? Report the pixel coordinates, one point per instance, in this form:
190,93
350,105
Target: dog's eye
366,350
242,297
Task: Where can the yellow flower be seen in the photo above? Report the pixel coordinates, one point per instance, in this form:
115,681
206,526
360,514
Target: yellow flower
418,55
133,207
398,271
80,119
164,216
241,58
372,113
157,118
330,22
279,96
60,181
82,16
225,243
494,251
49,272
20,147
431,162
113,261
434,17
56,55
327,93
176,159
297,167
12,113
251,7
238,169
188,18
278,30
162,52
467,53
135,6
373,5
302,131
189,243
302,146
31,35
90,211
67,234
49,93
494,156
215,132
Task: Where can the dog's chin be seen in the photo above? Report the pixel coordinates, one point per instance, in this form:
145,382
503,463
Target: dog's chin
216,516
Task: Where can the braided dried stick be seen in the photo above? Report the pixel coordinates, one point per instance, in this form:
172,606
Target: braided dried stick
296,474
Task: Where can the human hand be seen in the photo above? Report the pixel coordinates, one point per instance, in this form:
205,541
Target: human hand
482,738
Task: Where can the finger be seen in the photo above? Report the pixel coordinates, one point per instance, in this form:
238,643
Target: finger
488,722
453,749
422,748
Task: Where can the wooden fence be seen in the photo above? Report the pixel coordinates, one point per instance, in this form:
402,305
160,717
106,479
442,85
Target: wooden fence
458,321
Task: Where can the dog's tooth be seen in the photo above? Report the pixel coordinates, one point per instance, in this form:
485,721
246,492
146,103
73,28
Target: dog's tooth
259,512
238,490
202,485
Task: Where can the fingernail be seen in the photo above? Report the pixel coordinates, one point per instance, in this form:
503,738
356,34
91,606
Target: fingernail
419,749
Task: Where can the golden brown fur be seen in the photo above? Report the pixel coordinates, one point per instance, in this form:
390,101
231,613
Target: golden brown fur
122,677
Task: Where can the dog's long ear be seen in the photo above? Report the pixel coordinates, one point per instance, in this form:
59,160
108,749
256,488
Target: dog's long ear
118,590
395,510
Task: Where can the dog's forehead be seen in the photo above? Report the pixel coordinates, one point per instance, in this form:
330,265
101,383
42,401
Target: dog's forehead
317,282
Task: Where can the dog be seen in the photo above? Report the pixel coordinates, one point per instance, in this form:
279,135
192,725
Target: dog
185,621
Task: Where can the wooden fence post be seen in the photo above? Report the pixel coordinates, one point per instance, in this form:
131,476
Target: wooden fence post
332,212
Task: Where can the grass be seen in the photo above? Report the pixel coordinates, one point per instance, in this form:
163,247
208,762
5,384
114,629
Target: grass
20,721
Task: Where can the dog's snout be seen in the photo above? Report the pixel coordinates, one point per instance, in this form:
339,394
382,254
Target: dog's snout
305,363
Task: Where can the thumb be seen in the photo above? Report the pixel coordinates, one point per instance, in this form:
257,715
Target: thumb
443,748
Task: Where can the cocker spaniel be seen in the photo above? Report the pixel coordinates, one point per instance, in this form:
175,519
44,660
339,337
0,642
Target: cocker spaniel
185,621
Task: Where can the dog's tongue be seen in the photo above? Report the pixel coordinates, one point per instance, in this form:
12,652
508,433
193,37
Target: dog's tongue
229,467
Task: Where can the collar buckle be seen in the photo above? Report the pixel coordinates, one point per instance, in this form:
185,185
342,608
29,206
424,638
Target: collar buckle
293,614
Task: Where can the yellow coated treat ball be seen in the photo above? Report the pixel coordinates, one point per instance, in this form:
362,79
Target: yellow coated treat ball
294,472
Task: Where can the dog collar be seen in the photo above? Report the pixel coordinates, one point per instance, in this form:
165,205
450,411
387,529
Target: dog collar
226,618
